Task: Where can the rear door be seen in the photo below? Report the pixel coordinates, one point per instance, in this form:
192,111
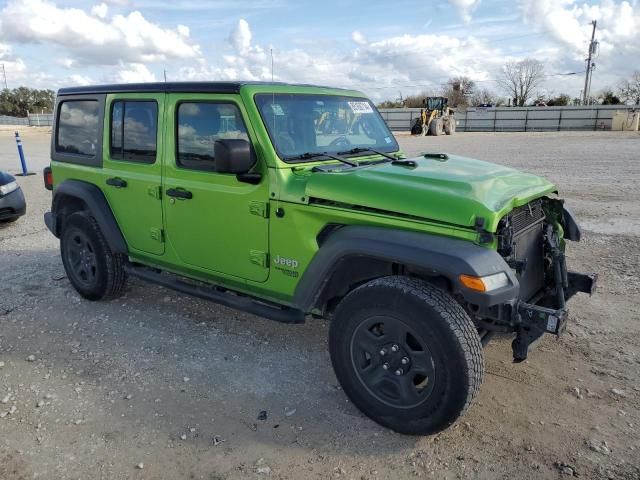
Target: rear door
132,163
223,224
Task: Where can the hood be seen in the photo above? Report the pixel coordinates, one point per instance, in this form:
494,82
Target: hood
454,191
5,178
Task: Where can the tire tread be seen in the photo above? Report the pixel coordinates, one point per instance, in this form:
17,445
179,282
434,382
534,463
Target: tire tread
455,316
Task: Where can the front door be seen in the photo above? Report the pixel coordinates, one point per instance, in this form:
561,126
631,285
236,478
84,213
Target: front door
132,166
213,221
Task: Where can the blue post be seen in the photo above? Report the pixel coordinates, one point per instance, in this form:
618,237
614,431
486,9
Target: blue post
23,162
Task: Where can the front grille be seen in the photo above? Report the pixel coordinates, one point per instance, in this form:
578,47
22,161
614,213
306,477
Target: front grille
528,250
523,217
6,213
521,243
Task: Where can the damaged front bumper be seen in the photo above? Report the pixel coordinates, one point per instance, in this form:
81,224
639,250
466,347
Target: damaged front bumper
549,313
535,320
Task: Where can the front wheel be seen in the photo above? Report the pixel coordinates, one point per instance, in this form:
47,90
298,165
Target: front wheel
407,354
436,127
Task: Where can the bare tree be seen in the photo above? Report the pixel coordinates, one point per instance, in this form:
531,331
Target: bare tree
458,90
485,97
629,90
520,79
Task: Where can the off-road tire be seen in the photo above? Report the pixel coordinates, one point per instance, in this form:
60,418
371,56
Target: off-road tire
450,126
436,128
435,319
107,277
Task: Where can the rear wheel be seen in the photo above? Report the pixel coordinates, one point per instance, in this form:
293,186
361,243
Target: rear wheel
406,354
450,126
93,270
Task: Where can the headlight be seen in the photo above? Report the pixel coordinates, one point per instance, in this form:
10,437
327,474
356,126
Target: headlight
8,188
485,284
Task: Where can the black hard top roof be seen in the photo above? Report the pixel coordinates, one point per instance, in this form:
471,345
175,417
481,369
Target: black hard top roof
168,87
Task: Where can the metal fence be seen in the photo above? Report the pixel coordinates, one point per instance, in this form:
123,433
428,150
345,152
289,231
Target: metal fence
498,119
33,120
516,119
6,120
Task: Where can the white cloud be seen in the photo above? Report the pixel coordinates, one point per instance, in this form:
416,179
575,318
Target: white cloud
66,62
465,8
133,73
568,22
240,37
379,68
80,80
15,68
358,38
100,10
91,39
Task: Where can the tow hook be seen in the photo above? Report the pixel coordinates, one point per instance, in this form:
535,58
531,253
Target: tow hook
534,322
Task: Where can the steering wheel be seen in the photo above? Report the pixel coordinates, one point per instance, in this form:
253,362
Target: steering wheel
286,143
342,140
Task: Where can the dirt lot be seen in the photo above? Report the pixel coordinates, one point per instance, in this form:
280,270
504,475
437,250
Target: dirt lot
175,385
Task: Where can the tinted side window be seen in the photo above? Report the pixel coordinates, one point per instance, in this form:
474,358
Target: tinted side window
134,128
78,127
200,124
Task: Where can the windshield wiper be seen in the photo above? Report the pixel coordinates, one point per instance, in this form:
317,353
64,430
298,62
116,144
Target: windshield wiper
311,155
363,150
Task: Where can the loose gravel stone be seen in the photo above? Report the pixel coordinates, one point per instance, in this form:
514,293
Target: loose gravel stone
619,393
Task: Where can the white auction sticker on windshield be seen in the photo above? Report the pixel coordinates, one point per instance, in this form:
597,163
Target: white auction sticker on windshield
360,107
277,109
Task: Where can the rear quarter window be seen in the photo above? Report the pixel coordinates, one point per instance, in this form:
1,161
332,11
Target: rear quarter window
78,127
77,136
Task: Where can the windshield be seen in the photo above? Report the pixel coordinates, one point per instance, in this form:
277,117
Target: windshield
301,124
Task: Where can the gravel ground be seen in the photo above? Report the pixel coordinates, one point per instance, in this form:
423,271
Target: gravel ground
160,385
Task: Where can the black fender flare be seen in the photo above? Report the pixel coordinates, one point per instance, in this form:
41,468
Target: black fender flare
571,228
95,203
437,255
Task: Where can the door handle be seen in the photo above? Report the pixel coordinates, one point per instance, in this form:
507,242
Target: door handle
116,182
179,193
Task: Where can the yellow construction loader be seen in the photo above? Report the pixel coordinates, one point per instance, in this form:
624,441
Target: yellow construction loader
435,119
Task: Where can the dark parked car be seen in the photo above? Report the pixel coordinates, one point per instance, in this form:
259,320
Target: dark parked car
12,204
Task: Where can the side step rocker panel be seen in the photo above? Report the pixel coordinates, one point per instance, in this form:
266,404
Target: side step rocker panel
247,304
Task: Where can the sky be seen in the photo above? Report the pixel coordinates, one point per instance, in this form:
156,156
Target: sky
383,48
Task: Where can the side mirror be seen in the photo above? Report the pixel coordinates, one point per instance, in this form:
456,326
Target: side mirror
233,156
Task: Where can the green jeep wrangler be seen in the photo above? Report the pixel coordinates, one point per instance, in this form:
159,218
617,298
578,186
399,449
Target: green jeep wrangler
294,201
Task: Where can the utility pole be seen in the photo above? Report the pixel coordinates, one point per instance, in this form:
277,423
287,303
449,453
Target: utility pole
4,78
592,49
